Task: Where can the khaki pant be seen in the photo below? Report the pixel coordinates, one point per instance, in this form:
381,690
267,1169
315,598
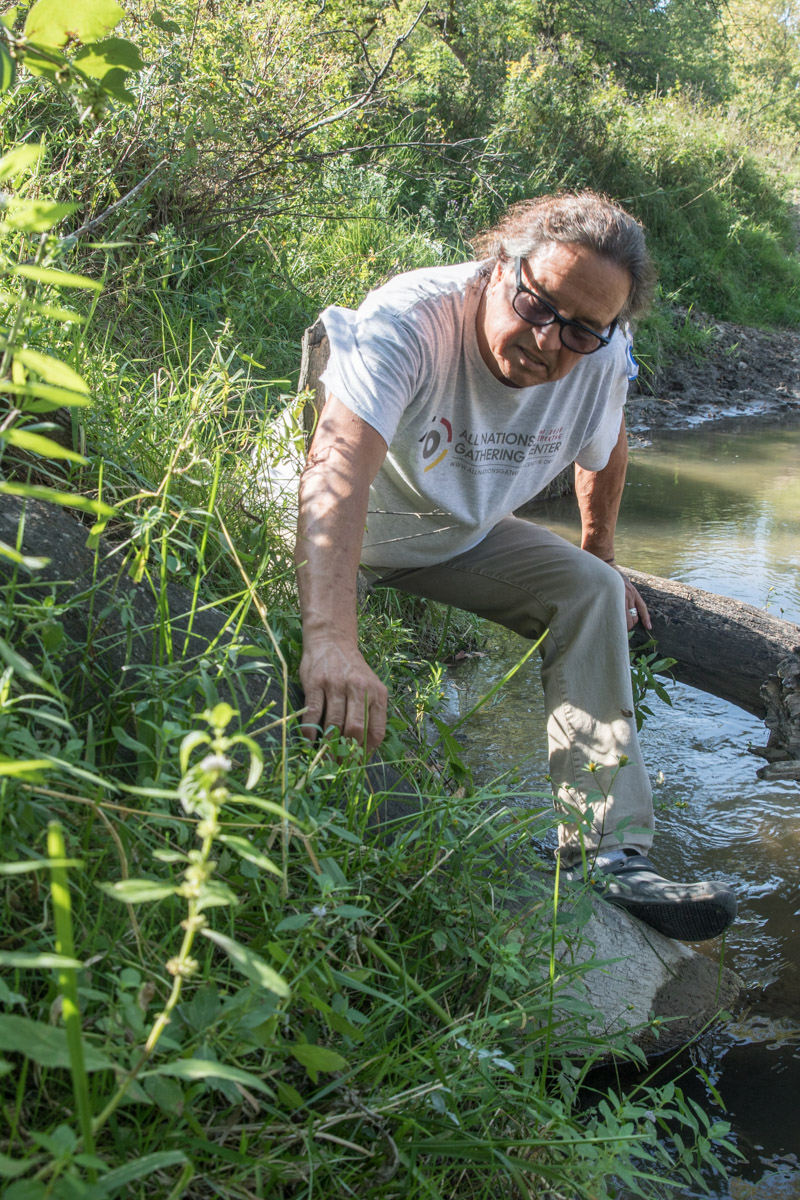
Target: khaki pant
530,580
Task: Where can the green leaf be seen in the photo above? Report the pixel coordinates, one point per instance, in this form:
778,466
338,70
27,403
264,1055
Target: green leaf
53,370
221,715
190,743
45,1044
289,1096
10,1168
42,962
9,16
161,22
29,561
36,216
200,1069
295,921
36,444
53,397
317,1058
42,864
138,891
54,23
250,964
215,894
20,159
56,278
128,742
137,1168
20,665
10,766
8,69
35,492
114,84
247,850
27,1189
44,64
56,313
111,54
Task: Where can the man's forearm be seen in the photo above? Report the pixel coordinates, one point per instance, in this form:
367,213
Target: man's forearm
341,689
599,495
334,494
329,531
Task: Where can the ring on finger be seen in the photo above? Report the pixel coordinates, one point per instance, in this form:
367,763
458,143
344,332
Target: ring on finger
633,612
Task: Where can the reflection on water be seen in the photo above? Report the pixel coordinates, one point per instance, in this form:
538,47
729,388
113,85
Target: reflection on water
719,510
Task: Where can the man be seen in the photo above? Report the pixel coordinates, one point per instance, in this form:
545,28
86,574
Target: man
455,394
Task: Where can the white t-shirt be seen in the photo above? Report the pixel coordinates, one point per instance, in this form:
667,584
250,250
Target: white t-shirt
465,450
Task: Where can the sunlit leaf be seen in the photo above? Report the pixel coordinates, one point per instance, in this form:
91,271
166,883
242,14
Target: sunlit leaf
36,216
51,397
42,864
56,278
110,54
52,370
54,23
47,63
25,766
59,314
51,496
35,443
221,715
190,743
26,961
29,561
20,159
249,963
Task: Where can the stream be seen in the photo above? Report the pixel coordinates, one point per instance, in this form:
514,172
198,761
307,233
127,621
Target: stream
718,508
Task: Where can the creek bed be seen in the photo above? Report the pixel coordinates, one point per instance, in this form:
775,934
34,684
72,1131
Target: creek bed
719,509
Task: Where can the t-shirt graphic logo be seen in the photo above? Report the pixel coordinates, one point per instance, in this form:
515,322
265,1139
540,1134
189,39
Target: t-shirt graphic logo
435,444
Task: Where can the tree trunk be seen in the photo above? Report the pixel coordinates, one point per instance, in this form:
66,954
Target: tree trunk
734,651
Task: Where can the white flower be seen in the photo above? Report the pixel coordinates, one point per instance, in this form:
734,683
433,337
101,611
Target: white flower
216,762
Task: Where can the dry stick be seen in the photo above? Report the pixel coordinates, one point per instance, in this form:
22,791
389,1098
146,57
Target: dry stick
90,225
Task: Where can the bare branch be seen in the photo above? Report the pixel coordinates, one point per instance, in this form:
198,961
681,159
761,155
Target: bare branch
90,225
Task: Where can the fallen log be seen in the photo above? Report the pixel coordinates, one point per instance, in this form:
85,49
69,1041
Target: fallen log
733,651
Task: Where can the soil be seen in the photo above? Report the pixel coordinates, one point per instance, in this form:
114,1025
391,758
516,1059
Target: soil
738,372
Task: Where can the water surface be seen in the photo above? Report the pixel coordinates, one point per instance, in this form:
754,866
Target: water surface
718,509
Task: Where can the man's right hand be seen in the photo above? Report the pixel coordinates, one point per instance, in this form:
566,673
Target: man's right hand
342,691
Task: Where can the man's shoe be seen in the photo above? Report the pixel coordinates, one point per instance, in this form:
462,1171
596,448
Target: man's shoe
689,912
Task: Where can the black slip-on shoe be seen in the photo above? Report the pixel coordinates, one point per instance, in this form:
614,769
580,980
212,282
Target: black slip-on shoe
688,912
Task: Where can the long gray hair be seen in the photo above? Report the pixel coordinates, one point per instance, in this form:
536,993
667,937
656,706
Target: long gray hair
581,219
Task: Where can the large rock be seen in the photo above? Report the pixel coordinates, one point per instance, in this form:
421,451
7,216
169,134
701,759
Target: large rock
640,975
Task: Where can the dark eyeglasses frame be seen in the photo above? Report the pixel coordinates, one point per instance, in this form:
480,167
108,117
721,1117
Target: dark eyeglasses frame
602,338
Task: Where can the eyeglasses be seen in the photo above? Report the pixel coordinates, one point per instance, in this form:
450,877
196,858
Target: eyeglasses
534,309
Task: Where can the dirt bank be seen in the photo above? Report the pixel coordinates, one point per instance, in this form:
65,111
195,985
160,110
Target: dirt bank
737,372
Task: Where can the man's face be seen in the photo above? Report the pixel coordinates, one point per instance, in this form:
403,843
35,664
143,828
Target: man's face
577,282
